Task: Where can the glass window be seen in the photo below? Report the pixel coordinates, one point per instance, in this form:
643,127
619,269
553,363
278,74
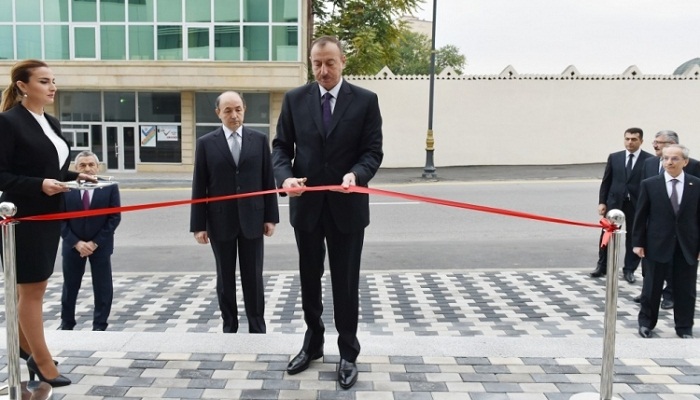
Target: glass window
256,11
56,10
169,11
27,11
255,43
85,42
159,107
28,41
141,42
141,10
57,42
197,11
204,105
120,106
227,43
84,10
285,11
227,10
7,15
167,144
285,43
112,11
198,43
257,108
79,106
170,43
113,42
6,50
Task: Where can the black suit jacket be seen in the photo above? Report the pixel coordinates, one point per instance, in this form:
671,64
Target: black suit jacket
354,144
616,183
99,229
651,167
27,157
657,227
216,174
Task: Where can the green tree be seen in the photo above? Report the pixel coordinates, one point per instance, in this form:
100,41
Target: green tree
370,30
414,56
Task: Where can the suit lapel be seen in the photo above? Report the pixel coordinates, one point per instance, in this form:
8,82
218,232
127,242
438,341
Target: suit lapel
221,144
313,102
689,197
341,104
245,145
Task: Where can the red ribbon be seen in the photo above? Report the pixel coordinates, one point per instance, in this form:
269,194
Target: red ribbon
610,228
604,223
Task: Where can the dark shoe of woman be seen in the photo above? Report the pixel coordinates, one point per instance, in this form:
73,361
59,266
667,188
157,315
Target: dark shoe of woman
25,356
33,368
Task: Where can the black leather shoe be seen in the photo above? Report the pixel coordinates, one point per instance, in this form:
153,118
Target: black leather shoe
637,299
65,327
347,374
99,329
597,273
667,304
644,332
629,277
685,335
302,360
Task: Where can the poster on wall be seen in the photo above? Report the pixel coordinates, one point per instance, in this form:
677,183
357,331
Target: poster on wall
148,136
167,133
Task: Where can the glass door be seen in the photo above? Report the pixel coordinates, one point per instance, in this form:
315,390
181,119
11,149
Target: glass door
120,147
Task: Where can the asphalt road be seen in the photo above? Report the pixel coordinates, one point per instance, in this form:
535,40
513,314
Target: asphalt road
403,234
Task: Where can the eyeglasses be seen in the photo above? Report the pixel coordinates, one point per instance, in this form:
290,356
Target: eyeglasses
660,142
674,159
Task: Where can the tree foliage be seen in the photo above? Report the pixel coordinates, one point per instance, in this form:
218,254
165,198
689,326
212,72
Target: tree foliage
414,56
370,30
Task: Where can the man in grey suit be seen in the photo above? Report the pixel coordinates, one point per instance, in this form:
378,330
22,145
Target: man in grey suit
329,133
618,190
234,159
667,235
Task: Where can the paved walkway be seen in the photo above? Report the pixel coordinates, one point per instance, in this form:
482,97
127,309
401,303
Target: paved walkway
431,335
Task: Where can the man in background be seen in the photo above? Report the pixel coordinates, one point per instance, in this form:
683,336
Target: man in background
667,236
618,190
235,159
88,238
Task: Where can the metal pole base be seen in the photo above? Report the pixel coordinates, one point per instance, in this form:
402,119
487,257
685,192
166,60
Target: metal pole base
32,390
590,396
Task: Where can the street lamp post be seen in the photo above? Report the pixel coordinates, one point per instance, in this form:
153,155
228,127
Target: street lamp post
429,169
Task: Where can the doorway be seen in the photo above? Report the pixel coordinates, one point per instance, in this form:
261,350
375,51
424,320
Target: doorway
121,147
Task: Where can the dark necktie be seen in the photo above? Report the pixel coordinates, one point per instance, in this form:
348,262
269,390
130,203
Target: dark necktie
86,200
661,167
674,196
327,114
629,165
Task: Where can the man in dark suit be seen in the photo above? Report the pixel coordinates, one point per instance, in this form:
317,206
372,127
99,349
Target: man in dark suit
88,238
667,235
235,159
618,190
654,166
329,133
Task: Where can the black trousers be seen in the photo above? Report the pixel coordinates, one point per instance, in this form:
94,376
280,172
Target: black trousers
344,254
684,291
102,287
250,256
631,259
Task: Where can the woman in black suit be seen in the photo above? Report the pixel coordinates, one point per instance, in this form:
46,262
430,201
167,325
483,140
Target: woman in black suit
34,159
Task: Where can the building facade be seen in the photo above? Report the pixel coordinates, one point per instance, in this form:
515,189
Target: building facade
138,79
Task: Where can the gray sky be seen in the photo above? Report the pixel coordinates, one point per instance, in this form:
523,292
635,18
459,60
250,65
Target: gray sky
546,36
